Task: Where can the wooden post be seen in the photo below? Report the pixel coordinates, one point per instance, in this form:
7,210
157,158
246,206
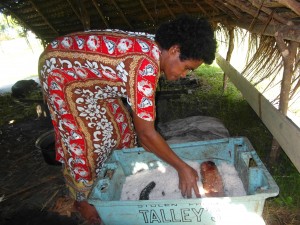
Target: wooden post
228,56
288,53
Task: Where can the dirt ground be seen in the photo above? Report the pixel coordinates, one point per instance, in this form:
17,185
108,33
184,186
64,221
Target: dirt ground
31,191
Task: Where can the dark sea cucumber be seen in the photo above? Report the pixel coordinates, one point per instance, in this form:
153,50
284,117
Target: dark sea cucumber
146,191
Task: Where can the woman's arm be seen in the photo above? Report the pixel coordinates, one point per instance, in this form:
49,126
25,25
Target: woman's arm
152,141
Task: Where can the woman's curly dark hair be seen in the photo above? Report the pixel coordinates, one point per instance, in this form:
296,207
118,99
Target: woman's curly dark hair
194,36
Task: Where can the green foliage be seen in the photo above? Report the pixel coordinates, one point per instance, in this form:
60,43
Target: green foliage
10,28
209,70
288,179
231,108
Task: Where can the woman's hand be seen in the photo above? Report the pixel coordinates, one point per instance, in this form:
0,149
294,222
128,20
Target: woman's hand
188,178
153,142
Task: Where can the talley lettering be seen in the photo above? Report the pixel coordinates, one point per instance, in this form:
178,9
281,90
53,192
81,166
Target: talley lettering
172,215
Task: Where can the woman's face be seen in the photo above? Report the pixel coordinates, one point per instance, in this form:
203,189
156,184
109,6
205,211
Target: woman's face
173,67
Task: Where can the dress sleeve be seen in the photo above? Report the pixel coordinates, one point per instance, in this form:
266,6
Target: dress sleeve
145,83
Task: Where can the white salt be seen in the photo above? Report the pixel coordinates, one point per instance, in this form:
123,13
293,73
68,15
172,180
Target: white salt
166,179
233,185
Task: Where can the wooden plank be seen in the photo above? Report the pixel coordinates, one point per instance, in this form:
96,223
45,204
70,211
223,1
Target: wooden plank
283,129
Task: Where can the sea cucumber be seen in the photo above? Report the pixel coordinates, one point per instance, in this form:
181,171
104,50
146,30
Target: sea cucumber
211,180
146,191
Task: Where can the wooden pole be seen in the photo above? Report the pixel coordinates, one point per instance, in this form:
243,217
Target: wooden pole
288,52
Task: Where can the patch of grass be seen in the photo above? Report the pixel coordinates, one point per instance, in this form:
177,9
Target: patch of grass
288,179
232,109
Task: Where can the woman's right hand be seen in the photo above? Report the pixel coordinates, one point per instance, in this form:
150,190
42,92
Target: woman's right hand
153,142
188,178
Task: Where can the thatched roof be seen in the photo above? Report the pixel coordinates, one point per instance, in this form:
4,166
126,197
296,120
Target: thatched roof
49,19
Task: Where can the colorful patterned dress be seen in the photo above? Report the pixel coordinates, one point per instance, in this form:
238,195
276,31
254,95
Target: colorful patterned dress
84,76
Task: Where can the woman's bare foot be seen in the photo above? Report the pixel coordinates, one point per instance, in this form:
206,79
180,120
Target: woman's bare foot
88,212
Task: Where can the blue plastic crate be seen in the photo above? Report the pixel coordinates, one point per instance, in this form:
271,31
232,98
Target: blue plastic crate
257,182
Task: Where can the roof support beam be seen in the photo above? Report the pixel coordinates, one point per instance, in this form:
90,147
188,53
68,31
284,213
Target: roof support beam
122,14
85,17
222,8
200,7
253,12
270,3
146,10
181,6
100,13
231,8
259,6
170,11
291,33
292,4
212,4
44,18
75,11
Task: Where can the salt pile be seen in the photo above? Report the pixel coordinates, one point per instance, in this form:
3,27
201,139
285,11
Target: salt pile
233,185
166,180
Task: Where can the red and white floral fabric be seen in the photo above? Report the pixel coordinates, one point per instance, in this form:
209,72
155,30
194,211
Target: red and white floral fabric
84,76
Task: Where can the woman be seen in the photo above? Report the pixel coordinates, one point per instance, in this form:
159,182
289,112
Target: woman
84,76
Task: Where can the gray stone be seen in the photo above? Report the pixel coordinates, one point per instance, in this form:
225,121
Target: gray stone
194,128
